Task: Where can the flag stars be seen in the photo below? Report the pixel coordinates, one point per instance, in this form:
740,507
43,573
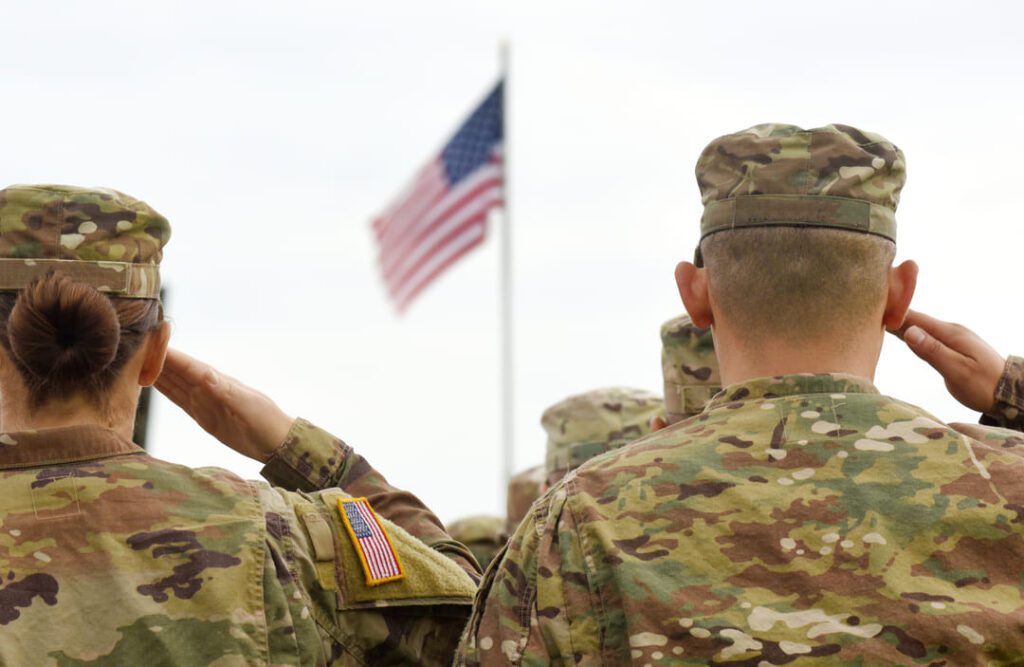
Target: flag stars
473,142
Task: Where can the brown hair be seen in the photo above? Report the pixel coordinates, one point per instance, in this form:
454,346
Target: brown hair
797,284
67,338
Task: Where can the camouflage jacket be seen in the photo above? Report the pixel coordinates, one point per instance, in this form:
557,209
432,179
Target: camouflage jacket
1008,410
802,520
109,556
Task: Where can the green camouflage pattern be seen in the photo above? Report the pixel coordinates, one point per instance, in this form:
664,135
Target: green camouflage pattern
99,236
483,534
1008,407
800,520
584,425
523,489
111,557
689,368
773,174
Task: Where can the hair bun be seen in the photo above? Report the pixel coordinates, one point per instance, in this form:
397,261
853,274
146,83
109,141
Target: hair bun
63,331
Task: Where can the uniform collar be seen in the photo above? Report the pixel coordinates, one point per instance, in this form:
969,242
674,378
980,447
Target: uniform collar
26,449
791,385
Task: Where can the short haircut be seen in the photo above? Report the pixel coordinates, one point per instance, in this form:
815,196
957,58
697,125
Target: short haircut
796,283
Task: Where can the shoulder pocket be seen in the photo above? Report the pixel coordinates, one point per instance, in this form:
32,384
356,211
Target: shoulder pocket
427,577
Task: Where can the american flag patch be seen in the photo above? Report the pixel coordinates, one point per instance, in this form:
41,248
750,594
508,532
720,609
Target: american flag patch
371,540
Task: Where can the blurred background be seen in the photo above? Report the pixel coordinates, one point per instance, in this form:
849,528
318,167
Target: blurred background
271,133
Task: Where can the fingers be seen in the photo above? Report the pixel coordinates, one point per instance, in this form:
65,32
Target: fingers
929,348
172,390
188,369
948,333
191,384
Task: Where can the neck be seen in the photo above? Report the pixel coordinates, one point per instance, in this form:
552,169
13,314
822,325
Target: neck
741,360
74,412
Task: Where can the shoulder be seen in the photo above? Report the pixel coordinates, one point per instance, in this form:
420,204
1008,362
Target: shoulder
676,451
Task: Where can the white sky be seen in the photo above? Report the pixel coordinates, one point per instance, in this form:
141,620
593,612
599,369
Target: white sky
270,133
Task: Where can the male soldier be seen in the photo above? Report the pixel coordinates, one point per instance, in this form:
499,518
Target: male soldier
586,425
483,534
802,517
523,489
112,557
581,427
689,369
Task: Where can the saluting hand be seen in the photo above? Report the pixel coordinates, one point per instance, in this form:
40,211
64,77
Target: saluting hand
969,365
239,416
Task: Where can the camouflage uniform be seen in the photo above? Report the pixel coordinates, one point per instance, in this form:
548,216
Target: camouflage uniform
689,368
802,519
484,535
523,489
109,556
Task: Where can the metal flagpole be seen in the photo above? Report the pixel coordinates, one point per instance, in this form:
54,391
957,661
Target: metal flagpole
507,384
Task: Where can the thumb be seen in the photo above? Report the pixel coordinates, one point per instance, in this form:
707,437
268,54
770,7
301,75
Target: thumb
932,350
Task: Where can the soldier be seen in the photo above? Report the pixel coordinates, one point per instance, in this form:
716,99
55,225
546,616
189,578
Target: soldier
523,489
581,427
802,517
586,425
483,534
689,369
112,557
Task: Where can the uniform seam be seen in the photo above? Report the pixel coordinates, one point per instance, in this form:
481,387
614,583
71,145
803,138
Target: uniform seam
595,596
288,546
257,591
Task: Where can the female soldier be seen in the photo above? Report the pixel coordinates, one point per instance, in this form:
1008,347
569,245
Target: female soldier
109,556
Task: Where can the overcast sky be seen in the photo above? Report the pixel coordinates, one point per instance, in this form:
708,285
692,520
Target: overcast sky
271,132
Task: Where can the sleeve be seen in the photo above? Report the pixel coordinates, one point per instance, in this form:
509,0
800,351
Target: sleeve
311,459
533,607
1008,409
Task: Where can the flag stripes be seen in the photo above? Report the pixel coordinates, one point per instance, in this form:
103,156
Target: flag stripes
442,214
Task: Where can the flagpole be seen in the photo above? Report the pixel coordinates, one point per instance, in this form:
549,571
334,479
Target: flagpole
507,384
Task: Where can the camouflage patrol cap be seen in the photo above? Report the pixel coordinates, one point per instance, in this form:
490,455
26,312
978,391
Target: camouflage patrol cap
483,534
523,489
834,176
585,425
97,236
689,368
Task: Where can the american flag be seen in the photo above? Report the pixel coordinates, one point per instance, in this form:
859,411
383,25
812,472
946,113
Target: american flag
442,214
380,561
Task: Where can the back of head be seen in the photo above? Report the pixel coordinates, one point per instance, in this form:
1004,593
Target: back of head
689,368
79,285
799,229
583,426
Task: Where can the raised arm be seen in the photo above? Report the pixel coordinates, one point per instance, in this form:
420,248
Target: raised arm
298,456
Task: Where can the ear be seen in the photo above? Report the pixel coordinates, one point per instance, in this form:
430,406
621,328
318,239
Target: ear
902,283
693,289
154,354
